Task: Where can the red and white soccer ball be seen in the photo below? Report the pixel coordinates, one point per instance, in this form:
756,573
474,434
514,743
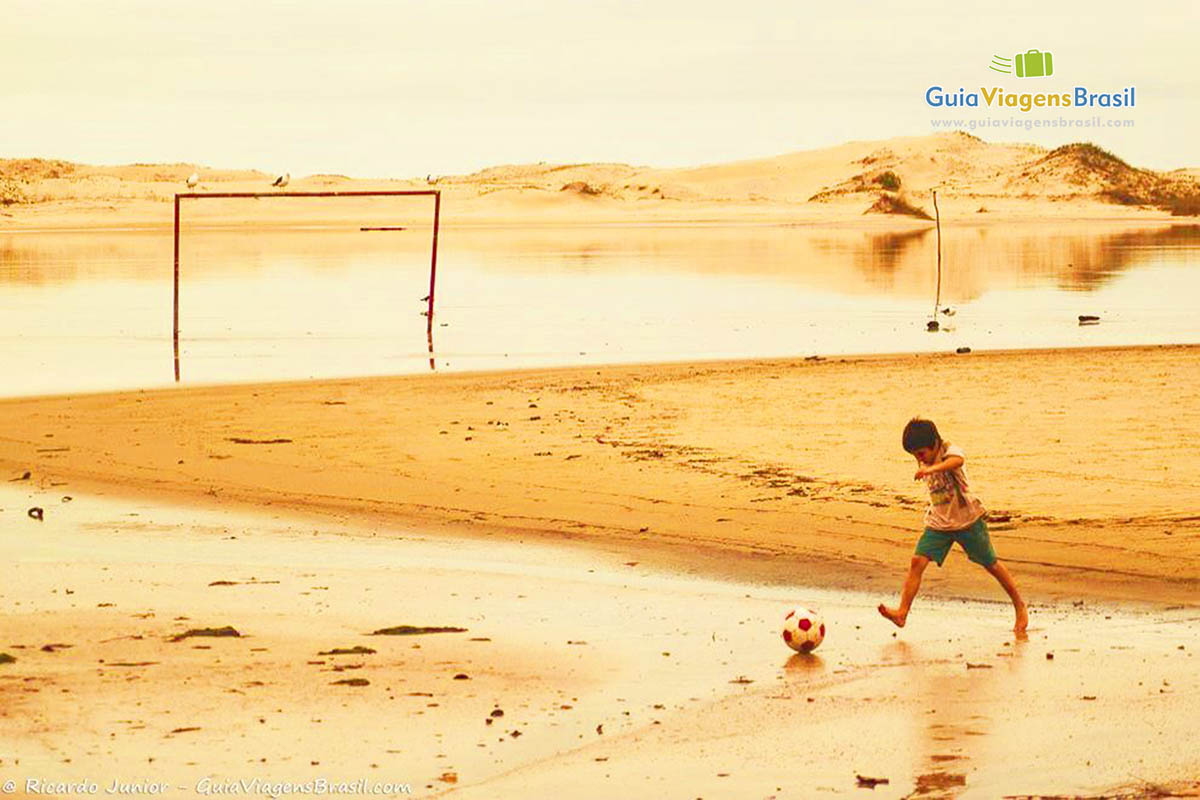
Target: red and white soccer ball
803,629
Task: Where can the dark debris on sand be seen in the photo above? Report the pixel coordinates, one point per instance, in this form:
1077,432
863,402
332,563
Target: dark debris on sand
224,631
415,630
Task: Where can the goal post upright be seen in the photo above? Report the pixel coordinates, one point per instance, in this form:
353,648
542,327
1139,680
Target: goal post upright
175,305
437,207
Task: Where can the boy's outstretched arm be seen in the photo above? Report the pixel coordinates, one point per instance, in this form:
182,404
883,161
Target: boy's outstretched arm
946,465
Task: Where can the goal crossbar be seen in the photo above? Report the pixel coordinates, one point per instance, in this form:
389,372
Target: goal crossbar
437,208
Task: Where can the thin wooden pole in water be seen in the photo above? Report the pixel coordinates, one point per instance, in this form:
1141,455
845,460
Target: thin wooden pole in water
176,304
937,300
437,212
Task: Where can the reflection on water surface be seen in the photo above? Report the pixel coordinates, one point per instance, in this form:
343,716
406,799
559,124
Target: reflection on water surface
92,310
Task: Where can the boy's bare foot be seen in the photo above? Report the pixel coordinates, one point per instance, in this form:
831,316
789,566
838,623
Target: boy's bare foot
1022,619
894,615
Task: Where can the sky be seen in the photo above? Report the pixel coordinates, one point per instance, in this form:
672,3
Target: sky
403,89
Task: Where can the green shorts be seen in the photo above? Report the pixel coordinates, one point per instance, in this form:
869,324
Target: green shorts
934,545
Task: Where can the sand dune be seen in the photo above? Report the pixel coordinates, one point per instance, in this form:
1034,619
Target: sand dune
973,177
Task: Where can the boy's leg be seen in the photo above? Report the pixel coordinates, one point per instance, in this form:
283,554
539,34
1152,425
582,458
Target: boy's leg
912,583
1001,573
978,544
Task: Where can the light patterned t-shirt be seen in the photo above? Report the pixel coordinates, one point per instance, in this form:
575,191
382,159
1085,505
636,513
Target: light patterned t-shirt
952,507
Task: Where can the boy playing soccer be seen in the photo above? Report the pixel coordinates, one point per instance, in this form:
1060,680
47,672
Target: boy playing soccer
954,515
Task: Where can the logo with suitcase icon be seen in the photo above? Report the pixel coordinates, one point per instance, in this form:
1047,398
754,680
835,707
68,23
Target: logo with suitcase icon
1030,64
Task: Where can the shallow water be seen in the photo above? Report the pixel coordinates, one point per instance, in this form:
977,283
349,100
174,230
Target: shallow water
93,310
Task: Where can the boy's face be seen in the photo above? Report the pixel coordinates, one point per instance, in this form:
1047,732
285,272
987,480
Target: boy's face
925,455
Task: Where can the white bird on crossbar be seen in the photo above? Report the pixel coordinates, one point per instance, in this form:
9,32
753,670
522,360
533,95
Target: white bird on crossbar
282,180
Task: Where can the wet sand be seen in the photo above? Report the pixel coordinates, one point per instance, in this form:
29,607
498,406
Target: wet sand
584,522
610,677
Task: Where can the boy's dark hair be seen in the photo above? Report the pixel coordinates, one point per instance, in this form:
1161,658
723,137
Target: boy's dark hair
920,433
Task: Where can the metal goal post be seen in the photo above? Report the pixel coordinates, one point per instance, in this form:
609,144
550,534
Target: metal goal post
437,208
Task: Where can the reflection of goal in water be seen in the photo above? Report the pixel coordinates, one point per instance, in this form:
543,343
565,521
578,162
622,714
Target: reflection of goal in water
437,208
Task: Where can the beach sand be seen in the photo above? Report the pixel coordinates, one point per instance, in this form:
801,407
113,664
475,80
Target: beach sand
621,544
574,673
752,467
